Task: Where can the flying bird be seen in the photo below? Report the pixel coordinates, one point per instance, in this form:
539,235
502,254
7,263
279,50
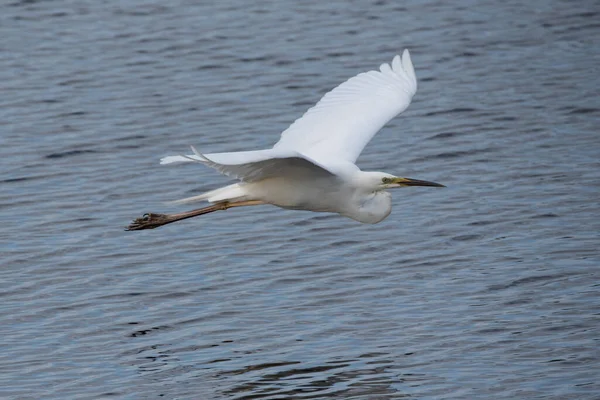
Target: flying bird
312,166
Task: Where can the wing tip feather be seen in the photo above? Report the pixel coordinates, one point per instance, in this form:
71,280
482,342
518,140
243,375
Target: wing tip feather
408,67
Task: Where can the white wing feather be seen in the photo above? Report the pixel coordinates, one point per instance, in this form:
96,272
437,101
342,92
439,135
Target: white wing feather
250,166
341,124
329,135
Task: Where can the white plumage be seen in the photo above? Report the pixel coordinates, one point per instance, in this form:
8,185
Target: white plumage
339,126
312,166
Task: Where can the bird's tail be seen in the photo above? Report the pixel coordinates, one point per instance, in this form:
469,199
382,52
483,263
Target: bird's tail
229,193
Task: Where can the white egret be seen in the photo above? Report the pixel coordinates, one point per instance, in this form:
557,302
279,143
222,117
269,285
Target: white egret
312,166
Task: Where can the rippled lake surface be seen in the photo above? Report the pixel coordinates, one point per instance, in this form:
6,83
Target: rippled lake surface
486,289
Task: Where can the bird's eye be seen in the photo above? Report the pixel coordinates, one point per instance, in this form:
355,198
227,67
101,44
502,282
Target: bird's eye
386,180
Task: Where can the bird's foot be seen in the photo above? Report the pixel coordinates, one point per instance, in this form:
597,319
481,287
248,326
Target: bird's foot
149,221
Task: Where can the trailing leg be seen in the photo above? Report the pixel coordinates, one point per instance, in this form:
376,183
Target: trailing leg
153,220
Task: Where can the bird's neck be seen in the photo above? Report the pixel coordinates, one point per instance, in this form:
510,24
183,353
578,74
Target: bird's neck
370,208
370,204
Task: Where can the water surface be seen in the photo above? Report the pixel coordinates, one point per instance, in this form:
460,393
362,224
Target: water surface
486,289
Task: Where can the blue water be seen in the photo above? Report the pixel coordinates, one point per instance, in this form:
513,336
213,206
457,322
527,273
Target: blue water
486,289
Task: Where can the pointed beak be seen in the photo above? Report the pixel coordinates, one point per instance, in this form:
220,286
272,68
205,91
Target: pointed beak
415,182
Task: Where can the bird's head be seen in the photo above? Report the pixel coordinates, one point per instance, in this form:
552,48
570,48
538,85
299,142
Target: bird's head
382,181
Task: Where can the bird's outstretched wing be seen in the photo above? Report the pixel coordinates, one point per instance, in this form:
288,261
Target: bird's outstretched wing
330,136
341,124
250,166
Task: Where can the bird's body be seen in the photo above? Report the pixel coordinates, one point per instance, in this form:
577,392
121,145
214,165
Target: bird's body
324,194
312,167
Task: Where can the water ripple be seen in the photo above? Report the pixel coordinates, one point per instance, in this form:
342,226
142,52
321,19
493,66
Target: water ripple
486,289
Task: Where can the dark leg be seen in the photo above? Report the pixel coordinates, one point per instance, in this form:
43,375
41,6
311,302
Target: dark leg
153,220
